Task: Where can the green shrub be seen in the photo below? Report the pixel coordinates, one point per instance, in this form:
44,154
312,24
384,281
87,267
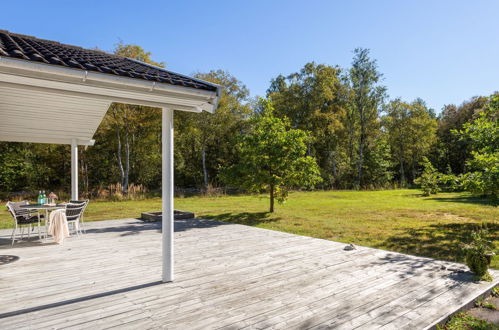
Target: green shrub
477,263
429,180
485,180
476,251
450,182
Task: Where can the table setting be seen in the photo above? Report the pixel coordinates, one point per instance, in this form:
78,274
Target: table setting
56,224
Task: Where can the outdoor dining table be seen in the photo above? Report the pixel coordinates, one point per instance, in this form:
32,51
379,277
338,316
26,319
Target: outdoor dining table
47,208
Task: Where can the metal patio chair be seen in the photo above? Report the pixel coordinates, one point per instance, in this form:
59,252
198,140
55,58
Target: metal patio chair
22,218
81,224
74,212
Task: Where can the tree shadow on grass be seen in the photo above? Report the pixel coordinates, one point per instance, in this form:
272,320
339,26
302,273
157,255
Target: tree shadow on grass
440,241
244,218
413,194
463,199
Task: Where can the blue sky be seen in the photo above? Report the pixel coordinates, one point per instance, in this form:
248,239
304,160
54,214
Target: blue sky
442,51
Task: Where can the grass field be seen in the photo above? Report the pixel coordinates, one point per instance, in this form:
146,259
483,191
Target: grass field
397,220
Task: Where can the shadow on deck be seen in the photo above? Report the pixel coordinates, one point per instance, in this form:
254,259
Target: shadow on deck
133,227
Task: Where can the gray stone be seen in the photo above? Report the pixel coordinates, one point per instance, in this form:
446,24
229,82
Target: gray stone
349,247
486,314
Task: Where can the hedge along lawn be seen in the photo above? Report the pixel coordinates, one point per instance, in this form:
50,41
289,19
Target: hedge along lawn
397,220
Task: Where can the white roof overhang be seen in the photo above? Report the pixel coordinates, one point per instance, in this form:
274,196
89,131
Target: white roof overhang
50,104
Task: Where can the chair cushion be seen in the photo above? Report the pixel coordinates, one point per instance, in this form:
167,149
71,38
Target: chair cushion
23,216
16,207
21,220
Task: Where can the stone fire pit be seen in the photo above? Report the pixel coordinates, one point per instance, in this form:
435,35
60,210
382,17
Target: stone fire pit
156,216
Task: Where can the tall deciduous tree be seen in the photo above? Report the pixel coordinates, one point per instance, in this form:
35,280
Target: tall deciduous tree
124,117
128,144
204,141
483,134
411,131
273,158
451,150
314,100
137,53
366,99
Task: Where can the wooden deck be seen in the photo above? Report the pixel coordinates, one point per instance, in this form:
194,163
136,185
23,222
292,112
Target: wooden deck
227,276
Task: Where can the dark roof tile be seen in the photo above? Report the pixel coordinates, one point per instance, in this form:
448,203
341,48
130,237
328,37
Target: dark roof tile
52,52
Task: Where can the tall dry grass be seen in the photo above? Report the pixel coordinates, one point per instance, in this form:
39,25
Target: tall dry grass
114,192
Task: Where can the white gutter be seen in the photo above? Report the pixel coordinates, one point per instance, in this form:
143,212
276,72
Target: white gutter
176,73
218,87
86,76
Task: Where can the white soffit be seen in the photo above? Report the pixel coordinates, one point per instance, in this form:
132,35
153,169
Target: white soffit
45,117
46,104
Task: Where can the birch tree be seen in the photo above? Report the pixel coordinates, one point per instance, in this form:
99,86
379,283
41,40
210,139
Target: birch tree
205,141
123,116
366,98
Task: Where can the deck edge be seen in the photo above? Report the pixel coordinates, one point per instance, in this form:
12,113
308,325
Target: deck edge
465,306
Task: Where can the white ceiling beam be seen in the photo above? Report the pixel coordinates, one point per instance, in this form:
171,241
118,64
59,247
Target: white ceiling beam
52,140
127,98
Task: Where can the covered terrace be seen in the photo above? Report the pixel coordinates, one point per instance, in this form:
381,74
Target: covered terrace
56,93
227,276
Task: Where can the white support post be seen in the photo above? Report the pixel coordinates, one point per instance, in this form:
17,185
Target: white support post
74,170
167,194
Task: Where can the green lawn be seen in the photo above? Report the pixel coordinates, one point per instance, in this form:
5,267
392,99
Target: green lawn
398,220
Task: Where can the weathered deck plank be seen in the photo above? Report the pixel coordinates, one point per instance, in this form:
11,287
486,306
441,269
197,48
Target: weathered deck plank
227,276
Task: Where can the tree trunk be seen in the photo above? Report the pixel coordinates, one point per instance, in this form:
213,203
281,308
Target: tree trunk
350,144
402,172
271,198
362,142
361,160
84,172
118,156
334,168
205,171
127,164
351,137
87,180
